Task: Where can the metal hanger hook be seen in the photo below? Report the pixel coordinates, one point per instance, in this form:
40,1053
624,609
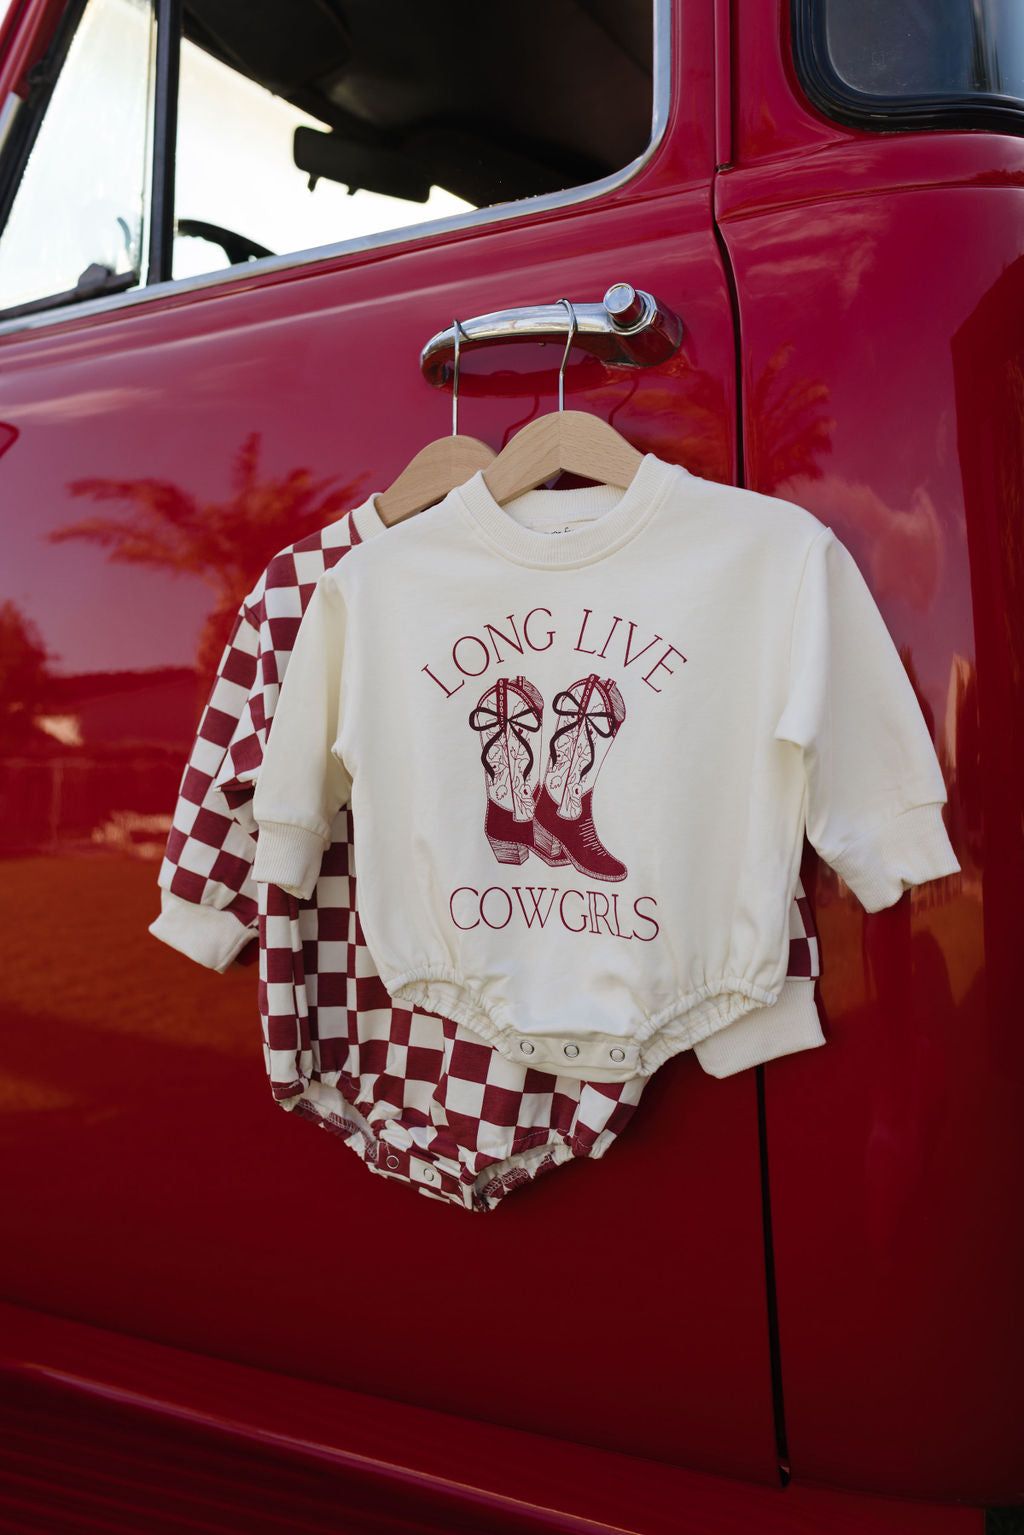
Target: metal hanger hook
565,355
455,380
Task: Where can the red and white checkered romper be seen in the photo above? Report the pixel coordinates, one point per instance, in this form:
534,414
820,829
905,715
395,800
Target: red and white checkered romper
419,1097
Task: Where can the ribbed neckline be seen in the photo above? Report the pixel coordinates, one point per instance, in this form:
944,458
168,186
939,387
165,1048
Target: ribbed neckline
580,546
366,519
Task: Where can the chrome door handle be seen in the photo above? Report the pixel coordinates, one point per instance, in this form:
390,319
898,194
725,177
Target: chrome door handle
629,328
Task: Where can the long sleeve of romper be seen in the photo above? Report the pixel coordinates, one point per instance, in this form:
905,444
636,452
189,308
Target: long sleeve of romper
208,908
303,785
208,896
874,788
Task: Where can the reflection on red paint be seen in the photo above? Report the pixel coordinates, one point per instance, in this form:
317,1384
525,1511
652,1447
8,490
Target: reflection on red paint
226,544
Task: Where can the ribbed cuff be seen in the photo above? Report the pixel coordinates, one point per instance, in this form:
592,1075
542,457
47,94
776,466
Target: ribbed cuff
909,850
792,1024
211,937
289,857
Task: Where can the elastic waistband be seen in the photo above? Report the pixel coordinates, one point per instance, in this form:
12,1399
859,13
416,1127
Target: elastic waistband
593,1057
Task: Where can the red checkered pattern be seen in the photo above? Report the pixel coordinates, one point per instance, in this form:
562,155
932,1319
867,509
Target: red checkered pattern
210,848
209,855
418,1097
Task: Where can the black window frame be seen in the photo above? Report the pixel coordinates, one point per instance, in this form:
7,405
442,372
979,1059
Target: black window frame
843,103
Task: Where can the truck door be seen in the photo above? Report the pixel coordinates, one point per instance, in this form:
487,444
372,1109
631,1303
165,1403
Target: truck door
226,238
872,213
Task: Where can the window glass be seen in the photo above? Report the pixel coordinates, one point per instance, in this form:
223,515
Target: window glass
304,123
236,174
81,201
918,49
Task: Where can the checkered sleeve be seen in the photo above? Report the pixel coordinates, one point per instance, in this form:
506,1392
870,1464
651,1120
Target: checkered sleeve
276,609
207,899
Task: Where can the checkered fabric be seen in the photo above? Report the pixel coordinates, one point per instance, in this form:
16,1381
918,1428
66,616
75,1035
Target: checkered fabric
210,847
418,1097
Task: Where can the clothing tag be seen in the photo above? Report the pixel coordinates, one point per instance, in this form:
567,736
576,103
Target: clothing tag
566,509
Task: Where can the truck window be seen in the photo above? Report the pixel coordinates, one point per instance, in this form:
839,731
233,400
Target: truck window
913,63
77,213
300,124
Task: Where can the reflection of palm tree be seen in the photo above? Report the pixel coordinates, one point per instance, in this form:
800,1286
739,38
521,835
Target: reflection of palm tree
685,415
25,681
681,413
225,543
787,426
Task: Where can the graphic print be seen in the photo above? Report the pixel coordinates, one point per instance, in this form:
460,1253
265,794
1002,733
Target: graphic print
506,716
553,818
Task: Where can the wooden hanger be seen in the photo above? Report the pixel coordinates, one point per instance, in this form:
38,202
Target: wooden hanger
435,469
570,441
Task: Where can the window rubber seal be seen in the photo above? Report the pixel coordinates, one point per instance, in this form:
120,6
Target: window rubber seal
835,98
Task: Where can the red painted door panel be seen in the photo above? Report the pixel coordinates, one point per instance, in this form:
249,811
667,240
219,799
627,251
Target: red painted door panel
621,1304
895,1154
155,1439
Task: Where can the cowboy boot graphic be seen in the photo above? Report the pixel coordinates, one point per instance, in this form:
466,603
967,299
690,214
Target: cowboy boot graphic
506,716
590,712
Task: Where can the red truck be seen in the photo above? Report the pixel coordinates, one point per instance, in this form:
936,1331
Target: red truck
785,1301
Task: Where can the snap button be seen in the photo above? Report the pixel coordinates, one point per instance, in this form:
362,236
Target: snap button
617,1054
526,1047
392,1162
428,1175
571,1051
